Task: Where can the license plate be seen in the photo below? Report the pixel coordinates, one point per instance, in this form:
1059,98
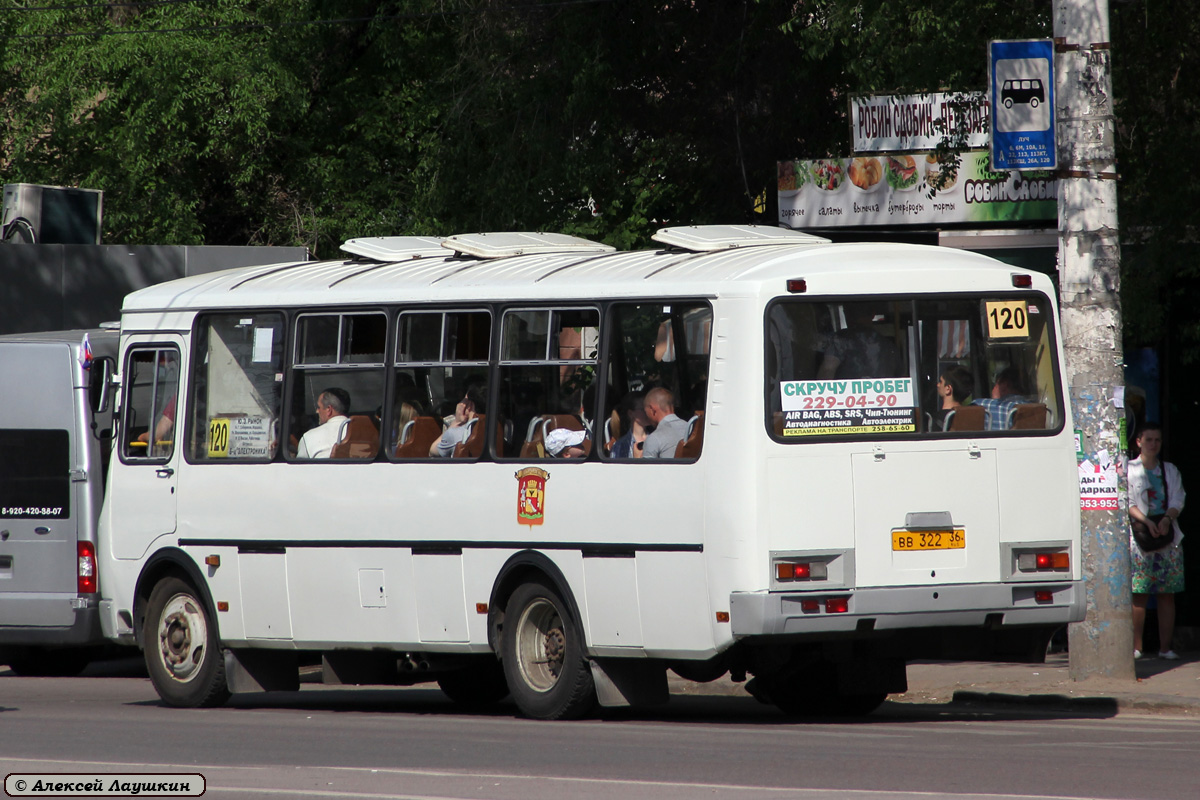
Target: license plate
929,540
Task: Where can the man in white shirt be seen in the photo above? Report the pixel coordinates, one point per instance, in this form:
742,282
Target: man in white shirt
669,430
318,442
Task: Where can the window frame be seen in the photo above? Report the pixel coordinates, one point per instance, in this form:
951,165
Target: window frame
194,369
977,298
127,388
393,364
552,307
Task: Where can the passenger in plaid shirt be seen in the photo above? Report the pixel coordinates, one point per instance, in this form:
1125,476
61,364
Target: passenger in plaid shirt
1007,394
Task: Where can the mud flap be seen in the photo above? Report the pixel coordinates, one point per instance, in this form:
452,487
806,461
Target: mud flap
628,682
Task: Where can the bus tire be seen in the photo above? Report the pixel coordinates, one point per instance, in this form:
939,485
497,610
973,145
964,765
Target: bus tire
542,653
183,655
478,685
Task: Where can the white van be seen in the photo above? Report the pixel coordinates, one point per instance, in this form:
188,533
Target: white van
55,441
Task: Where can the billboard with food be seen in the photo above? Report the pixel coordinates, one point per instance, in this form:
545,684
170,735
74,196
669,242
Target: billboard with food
910,189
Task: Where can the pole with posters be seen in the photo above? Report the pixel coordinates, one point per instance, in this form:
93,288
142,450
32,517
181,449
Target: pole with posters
1089,269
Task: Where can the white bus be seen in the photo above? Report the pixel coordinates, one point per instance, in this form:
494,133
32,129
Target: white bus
481,513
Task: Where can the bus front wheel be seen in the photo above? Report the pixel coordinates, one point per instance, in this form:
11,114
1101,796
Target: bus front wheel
544,663
183,655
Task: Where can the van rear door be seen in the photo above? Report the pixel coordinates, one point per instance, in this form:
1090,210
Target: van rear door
38,516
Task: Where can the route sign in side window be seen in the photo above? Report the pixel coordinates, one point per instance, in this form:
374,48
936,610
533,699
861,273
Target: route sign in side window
237,387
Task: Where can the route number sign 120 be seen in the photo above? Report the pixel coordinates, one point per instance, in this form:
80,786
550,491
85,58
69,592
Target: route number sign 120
1007,319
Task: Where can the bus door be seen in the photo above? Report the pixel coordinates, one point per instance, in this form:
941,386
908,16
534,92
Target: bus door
143,486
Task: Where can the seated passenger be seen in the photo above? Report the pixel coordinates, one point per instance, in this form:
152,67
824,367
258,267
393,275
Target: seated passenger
859,350
1007,394
669,430
470,407
318,442
566,443
953,389
636,425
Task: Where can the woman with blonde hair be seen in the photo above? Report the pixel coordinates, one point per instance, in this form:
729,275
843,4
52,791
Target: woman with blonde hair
1156,499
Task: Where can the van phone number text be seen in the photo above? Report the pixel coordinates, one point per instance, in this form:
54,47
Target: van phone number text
32,511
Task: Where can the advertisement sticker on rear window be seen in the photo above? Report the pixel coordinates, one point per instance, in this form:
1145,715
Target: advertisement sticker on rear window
867,405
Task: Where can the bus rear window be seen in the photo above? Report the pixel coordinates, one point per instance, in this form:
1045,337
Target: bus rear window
911,366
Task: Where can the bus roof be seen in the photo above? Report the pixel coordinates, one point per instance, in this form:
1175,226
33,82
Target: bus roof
719,262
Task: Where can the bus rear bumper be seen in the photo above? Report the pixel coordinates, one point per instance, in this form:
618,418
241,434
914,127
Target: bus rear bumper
994,606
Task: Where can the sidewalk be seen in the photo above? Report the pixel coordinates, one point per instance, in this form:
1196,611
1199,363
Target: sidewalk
1162,687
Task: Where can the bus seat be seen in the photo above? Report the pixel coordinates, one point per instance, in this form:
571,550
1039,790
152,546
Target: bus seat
965,418
418,436
503,433
1029,416
690,445
568,421
533,446
472,446
360,439
612,431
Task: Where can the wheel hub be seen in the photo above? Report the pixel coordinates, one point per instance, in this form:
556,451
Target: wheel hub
556,644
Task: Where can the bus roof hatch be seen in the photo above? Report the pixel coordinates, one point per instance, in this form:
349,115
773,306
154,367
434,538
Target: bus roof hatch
504,245
395,248
709,238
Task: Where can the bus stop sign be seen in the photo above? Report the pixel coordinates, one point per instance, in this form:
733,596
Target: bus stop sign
1021,90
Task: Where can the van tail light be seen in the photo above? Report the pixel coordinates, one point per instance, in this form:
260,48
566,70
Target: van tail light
87,568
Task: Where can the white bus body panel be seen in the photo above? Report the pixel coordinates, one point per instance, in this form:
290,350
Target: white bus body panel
404,555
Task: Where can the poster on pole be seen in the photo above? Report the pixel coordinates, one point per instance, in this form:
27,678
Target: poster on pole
1021,93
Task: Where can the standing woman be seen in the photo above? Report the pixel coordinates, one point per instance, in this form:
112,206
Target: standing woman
1155,499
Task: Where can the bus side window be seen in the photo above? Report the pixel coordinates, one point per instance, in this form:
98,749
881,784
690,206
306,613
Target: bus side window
441,384
338,365
151,395
547,374
657,376
237,387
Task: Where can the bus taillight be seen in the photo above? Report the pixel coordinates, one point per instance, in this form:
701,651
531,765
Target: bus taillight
801,571
837,605
1040,562
87,568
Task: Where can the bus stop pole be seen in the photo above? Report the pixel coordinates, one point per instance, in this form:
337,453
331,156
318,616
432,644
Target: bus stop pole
1089,261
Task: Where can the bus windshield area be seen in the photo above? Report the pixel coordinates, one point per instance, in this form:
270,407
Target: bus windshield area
916,366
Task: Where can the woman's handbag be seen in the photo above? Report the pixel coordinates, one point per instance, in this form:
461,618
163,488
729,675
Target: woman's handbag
1142,533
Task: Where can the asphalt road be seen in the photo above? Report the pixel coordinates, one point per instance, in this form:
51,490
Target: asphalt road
412,743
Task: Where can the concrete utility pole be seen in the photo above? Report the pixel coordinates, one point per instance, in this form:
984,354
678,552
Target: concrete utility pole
1089,260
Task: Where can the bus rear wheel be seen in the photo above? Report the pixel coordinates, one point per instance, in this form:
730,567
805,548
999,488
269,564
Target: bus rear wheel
182,652
544,663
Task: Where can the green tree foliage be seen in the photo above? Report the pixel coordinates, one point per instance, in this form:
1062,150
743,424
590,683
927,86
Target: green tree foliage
276,122
1156,82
